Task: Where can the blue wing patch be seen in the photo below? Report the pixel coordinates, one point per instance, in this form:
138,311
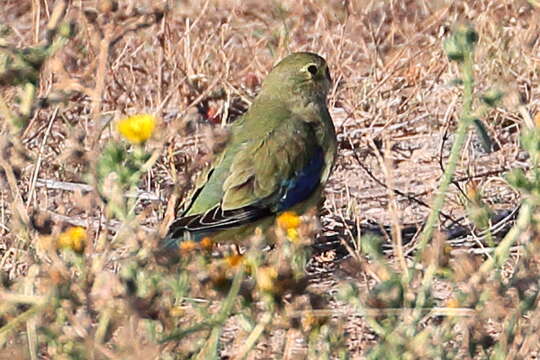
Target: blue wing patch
304,183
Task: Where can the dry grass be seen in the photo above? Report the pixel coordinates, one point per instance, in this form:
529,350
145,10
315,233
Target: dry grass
196,65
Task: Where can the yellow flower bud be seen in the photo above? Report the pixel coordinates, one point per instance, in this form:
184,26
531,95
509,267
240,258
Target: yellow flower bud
234,260
288,220
206,243
187,246
292,234
452,303
537,119
177,311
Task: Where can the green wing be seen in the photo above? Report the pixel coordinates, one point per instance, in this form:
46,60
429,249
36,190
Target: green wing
254,178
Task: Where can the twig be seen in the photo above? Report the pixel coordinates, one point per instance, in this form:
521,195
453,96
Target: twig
40,157
85,188
94,223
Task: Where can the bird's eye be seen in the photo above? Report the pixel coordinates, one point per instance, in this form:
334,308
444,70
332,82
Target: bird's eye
312,69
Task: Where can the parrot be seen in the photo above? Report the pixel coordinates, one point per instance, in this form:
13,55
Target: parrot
278,158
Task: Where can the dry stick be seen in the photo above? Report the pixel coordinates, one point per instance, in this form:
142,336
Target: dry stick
36,11
526,116
97,92
374,312
112,224
487,174
396,229
12,182
40,158
85,188
15,298
291,337
3,213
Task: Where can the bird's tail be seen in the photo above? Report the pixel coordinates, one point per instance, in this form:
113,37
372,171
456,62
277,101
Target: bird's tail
168,250
169,247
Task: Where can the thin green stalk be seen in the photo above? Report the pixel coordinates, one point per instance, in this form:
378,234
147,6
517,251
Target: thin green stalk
503,249
103,325
254,336
14,324
427,281
179,334
455,153
209,351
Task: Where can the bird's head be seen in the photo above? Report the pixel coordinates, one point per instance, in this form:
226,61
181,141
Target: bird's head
301,73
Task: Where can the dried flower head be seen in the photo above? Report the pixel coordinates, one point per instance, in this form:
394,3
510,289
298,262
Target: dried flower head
265,277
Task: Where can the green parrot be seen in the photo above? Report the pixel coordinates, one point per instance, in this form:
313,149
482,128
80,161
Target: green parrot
278,158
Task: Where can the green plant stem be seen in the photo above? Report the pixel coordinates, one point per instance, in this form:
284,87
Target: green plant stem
28,100
179,334
455,153
254,335
503,249
14,324
103,325
209,350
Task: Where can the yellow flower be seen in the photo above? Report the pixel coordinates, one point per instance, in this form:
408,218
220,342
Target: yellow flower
292,234
206,243
266,277
537,119
177,311
234,260
472,190
73,238
288,220
137,128
187,246
310,320
452,303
